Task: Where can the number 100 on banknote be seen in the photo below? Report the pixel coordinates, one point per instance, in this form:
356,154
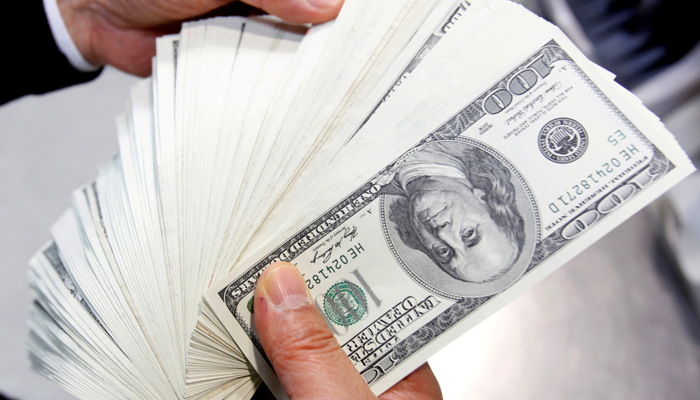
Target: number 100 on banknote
518,181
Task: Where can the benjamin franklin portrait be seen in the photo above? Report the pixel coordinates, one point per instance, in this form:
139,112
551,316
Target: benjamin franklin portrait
456,203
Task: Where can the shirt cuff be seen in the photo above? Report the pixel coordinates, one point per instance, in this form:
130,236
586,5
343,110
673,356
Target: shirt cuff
63,40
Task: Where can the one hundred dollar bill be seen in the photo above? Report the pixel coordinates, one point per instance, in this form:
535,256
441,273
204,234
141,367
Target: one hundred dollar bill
518,181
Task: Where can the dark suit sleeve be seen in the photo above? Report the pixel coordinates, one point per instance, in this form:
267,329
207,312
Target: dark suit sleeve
635,39
33,64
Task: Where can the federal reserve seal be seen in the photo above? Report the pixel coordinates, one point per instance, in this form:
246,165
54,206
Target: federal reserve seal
345,303
563,140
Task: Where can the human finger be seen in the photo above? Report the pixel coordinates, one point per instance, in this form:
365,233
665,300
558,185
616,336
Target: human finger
300,11
420,385
306,356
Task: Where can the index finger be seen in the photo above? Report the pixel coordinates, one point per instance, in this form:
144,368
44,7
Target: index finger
300,11
421,384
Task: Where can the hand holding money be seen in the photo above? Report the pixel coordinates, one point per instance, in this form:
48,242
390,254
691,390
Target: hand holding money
123,33
421,162
306,355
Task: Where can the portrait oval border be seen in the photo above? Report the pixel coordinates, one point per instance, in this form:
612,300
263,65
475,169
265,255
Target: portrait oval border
455,289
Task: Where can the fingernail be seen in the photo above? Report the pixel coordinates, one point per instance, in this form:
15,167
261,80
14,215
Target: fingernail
322,3
285,286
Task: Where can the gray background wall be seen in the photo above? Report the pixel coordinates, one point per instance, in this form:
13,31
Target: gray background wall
49,145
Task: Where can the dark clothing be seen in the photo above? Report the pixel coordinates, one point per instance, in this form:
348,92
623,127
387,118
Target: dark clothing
33,64
635,39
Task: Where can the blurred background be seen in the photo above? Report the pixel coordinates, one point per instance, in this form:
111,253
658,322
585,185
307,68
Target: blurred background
620,321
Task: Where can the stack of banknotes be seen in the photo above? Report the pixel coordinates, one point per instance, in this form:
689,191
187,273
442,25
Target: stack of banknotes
422,162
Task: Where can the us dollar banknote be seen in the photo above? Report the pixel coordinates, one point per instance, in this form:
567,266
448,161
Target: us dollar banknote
422,162
545,158
518,181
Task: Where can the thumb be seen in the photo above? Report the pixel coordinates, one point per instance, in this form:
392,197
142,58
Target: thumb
300,11
306,356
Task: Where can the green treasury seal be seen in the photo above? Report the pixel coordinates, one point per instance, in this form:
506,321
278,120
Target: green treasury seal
345,303
251,305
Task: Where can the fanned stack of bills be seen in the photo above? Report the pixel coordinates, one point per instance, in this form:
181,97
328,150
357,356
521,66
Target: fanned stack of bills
422,162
